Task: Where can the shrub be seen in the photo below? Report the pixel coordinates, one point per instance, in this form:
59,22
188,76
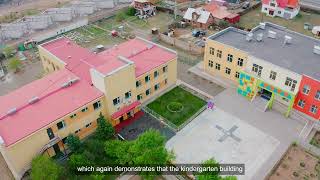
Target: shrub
131,11
120,16
77,160
43,167
14,64
74,143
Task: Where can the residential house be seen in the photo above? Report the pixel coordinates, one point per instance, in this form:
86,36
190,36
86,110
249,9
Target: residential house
144,8
287,9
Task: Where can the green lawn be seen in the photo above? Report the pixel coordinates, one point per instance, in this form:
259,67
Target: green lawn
173,100
254,17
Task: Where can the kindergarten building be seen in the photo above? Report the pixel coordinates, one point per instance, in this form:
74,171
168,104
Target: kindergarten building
79,85
271,62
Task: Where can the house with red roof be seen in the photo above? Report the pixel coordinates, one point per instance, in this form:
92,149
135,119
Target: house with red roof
287,9
37,118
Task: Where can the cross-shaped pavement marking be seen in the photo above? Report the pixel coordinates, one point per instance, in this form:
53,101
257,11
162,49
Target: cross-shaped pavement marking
228,133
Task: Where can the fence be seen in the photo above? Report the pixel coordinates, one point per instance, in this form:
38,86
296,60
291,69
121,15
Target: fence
187,46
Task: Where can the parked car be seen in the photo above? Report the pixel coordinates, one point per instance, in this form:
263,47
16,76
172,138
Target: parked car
246,5
198,33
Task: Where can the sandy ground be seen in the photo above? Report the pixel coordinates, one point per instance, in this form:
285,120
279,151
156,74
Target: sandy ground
23,5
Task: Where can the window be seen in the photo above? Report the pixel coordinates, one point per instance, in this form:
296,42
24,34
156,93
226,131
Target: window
279,12
237,75
127,95
50,133
257,69
138,83
228,70
156,74
61,124
317,96
230,57
116,101
157,86
88,125
210,63
217,66
291,83
73,116
240,62
273,75
77,131
306,89
265,9
301,103
314,109
139,97
96,105
166,81
211,51
273,4
84,109
148,91
165,69
147,78
219,53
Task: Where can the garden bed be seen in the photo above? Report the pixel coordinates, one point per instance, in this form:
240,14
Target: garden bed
177,105
297,163
316,140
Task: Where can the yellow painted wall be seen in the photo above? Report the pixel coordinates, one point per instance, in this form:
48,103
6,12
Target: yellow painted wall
223,60
21,153
49,62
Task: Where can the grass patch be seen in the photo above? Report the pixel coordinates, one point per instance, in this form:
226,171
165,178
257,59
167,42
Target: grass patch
174,99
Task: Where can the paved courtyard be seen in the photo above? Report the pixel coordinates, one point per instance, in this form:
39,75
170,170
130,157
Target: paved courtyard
236,132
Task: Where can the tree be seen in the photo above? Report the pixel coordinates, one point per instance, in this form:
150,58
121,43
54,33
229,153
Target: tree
212,175
77,160
74,143
43,167
14,64
8,51
105,129
131,11
119,151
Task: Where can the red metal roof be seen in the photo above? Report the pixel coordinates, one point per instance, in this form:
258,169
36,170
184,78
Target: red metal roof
125,109
54,102
284,3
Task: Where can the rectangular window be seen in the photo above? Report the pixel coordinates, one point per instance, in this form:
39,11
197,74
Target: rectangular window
165,69
116,101
96,105
217,66
210,63
257,69
139,97
88,125
230,57
291,83
157,86
61,124
138,83
64,140
148,91
219,53
301,103
211,51
156,74
147,78
77,131
73,116
84,109
50,133
306,89
240,62
273,75
273,4
317,96
237,75
228,70
127,95
314,109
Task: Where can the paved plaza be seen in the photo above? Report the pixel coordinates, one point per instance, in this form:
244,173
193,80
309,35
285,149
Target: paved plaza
219,135
236,132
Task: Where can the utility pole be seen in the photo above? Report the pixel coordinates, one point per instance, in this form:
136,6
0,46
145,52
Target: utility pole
175,9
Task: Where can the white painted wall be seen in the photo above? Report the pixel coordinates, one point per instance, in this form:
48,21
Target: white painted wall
281,77
278,11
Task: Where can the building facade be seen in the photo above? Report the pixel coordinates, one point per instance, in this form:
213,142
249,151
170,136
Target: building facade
287,9
78,86
271,66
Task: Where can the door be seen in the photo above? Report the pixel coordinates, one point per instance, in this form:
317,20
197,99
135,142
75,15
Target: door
121,119
56,149
271,12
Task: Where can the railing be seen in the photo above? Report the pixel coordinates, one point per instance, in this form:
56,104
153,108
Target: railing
49,144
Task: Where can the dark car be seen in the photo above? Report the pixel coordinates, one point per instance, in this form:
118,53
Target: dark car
198,33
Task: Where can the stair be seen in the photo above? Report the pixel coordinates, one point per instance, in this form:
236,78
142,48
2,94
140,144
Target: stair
260,103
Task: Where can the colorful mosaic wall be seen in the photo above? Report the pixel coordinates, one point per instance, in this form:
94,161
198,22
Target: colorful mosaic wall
247,85
275,90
